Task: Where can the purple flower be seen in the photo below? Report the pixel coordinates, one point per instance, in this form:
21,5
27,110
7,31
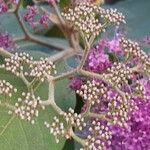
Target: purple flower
137,136
114,46
75,83
34,18
97,60
44,19
29,17
7,42
5,5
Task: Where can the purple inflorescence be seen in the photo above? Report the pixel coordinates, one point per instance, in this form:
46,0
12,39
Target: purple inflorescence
6,42
5,5
98,61
126,120
34,18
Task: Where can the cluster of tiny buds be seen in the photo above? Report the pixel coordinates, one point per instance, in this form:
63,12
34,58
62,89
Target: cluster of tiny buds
27,107
91,91
100,136
118,110
74,119
6,88
139,90
112,15
146,66
119,73
133,48
42,68
15,62
83,17
56,128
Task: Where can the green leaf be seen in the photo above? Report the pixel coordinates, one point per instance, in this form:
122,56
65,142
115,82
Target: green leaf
18,134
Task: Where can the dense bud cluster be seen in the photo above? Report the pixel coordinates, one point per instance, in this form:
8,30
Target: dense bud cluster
113,16
138,89
38,69
6,88
56,128
99,137
83,16
42,68
74,119
27,107
15,62
119,74
118,110
133,49
91,91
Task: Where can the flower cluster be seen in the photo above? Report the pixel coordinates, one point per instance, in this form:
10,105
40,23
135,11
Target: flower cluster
27,107
118,74
84,17
15,62
98,61
99,137
6,88
119,109
6,42
74,119
113,16
34,17
76,82
91,91
56,128
41,69
4,6
134,50
136,136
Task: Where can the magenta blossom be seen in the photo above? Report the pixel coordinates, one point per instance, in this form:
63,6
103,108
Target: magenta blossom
34,18
114,46
76,83
97,60
6,42
5,5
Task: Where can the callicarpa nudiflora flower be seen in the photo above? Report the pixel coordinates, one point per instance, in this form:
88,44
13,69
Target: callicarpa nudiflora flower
112,77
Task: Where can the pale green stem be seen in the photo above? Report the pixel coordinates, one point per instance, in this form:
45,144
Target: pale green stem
76,138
